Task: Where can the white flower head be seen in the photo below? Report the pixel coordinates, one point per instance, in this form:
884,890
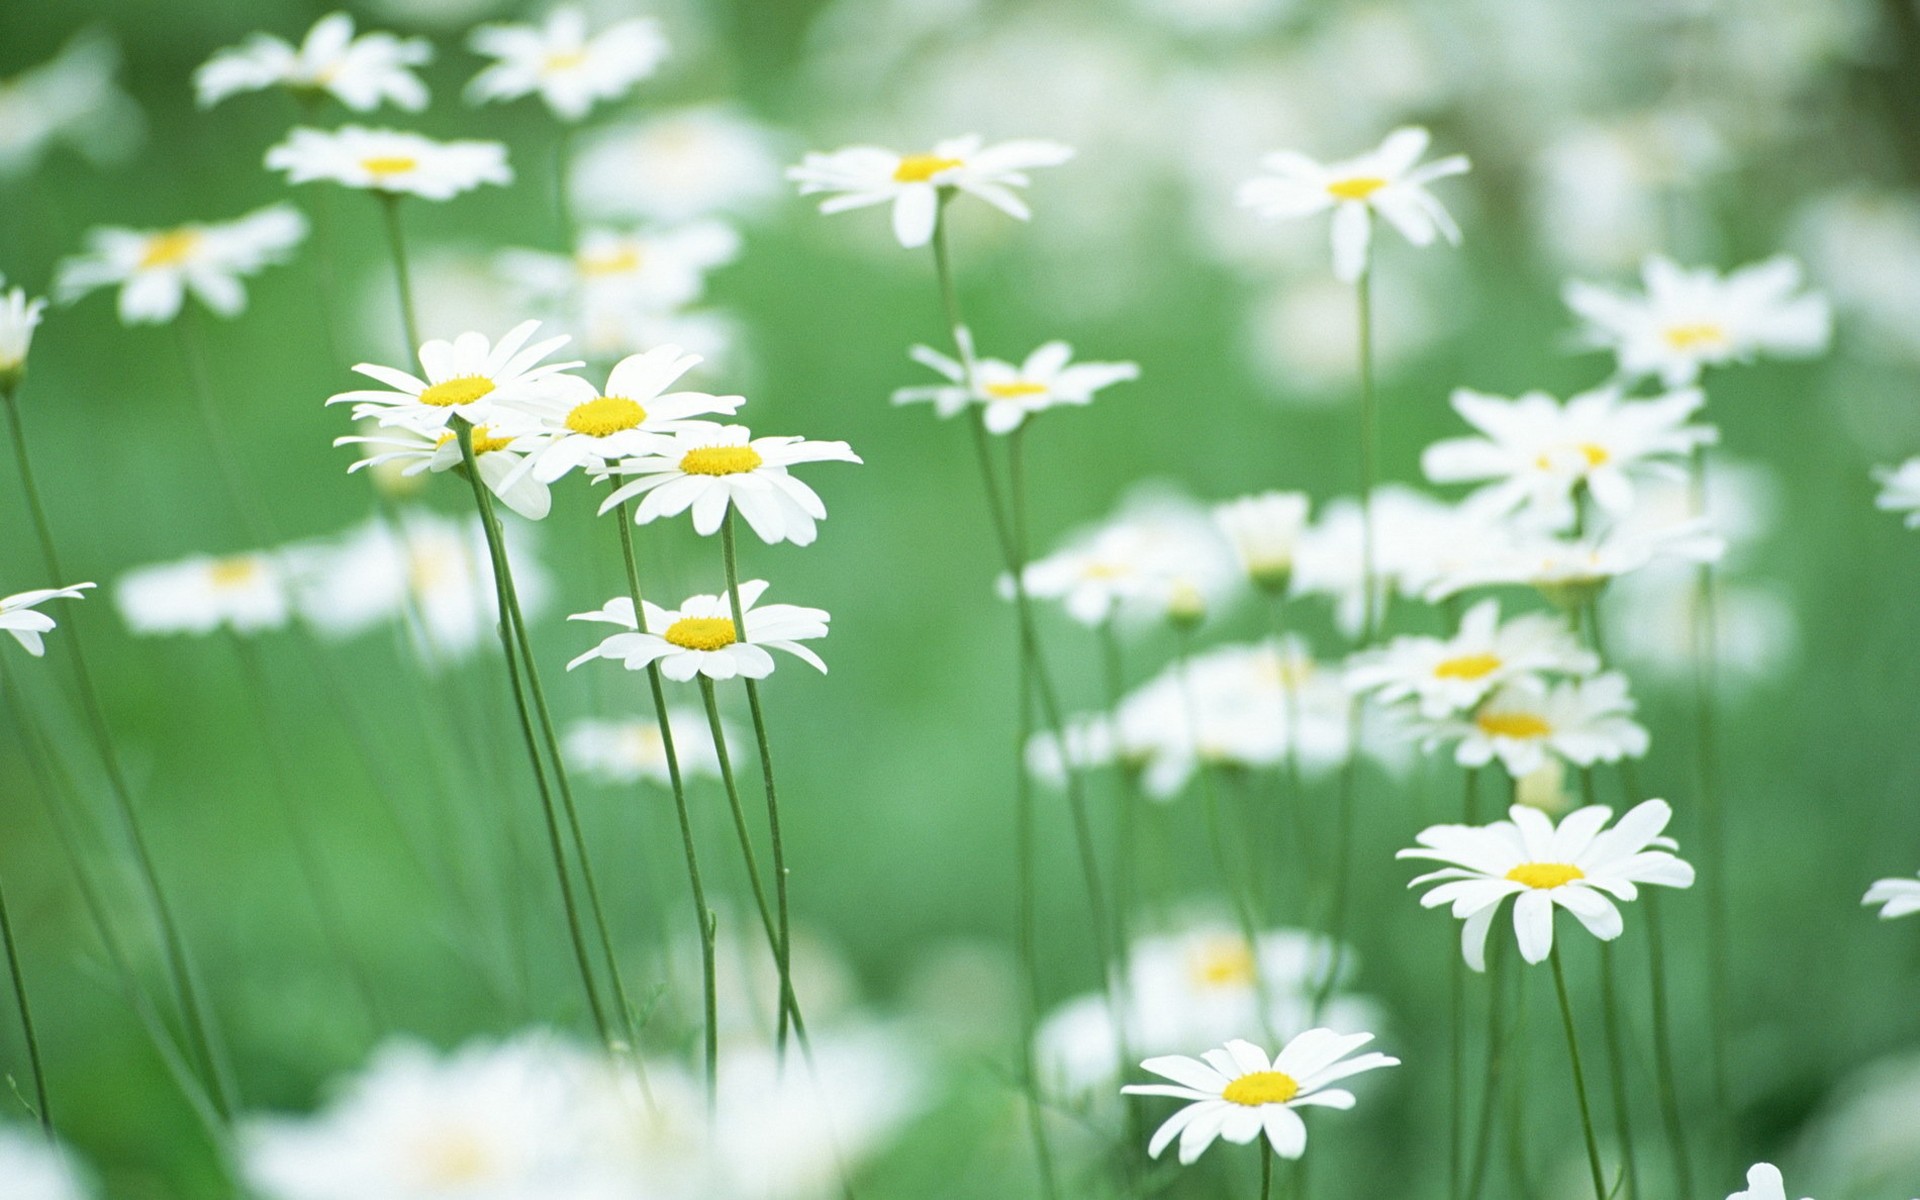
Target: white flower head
569,68
1264,531
468,377
71,99
1579,865
1899,490
914,184
246,593
1900,896
1449,676
678,165
1158,551
36,1169
360,72
712,471
1567,569
1389,180
1008,393
390,161
655,270
630,749
1688,320
1764,1182
1239,1094
503,467
700,638
156,270
1583,721
19,618
19,317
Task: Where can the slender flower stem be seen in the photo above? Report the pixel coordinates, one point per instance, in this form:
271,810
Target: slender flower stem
1579,1077
1296,799
1617,1069
1713,826
1340,902
1369,461
1266,1169
1497,1062
43,1110
1027,940
402,274
1457,994
747,853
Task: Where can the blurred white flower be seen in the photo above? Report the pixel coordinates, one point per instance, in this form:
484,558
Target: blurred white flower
569,68
1009,393
1864,1140
712,471
1654,616
1900,896
632,749
1764,1182
862,176
1223,17
1302,335
389,161
653,270
360,72
699,637
1568,569
36,1170
1603,192
1158,547
503,465
1900,490
156,270
70,99
1855,243
1447,676
1416,540
1264,530
246,593
1584,721
467,377
19,317
19,618
678,166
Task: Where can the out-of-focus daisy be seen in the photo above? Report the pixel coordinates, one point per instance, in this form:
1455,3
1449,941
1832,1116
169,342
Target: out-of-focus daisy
631,749
655,270
503,467
699,637
1855,242
246,593
1416,538
390,161
1901,897
712,470
1764,1182
467,377
19,317
360,72
19,618
1264,530
1899,490
155,270
1158,549
677,166
569,68
1690,319
1579,865
1655,622
1386,181
71,99
36,1169
1009,393
1567,570
1446,676
1583,721
1536,453
1238,1093
863,176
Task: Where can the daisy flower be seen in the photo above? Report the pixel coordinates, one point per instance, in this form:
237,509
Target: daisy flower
360,72
17,615
1384,181
1158,548
712,470
1009,393
504,468
246,593
631,749
1264,530
1536,453
1579,865
655,270
1567,570
1583,721
70,100
679,165
155,270
390,161
1901,896
1899,488
1446,676
569,68
468,377
18,318
699,637
1687,320
1237,1093
863,176
37,1169
1764,1182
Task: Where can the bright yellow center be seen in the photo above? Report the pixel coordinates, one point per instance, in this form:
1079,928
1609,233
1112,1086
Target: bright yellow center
564,60
483,442
464,390
604,416
720,460
1698,335
380,166
1261,1087
1512,725
701,633
238,571
1467,666
1357,188
622,260
454,1158
1545,875
170,249
1227,962
1014,390
918,168
1592,455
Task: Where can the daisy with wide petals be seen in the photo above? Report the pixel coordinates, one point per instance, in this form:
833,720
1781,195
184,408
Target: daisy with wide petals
1159,549
360,72
1008,393
1237,1093
655,270
1264,531
1690,319
468,377
1388,181
1579,865
1445,676
246,593
156,269
569,68
700,638
1583,721
1764,1182
713,471
503,467
390,161
19,618
914,184
1569,570
1899,490
631,749
19,317
1900,896
576,424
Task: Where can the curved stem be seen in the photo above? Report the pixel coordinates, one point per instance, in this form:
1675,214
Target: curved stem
1617,1055
1713,826
747,854
1670,1112
45,1111
1579,1077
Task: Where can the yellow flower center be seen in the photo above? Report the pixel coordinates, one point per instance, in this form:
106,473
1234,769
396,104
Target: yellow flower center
483,442
464,390
1014,390
1359,187
604,416
454,1158
1594,455
1545,875
918,168
564,60
1513,725
1697,335
169,249
720,460
1261,1087
237,571
622,260
380,166
1223,963
1467,666
701,633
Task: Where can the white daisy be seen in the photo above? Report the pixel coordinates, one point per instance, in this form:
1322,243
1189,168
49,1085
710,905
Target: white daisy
1569,569
654,270
1576,865
390,161
1688,320
1009,393
1901,897
710,471
17,615
1764,1182
246,593
631,749
73,100
468,377
1536,453
569,68
1157,548
18,318
360,72
36,1169
1583,721
678,166
1264,531
502,465
1447,676
1899,489
156,269
699,637
1239,1094
863,176
1415,538
1384,181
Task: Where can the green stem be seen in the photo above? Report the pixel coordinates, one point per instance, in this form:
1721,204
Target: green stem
1497,1059
1579,1077
1369,460
1296,799
1341,901
1670,1111
1457,994
1617,1055
1713,827
1266,1168
402,275
45,1111
1027,939
747,854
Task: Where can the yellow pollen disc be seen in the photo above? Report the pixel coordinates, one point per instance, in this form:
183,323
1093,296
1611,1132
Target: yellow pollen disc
720,460
701,633
918,168
1545,875
1467,666
464,390
483,442
565,60
234,572
1595,455
1696,336
1014,390
1261,1087
1227,962
170,249
624,260
605,415
454,1158
382,165
1357,188
1512,725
